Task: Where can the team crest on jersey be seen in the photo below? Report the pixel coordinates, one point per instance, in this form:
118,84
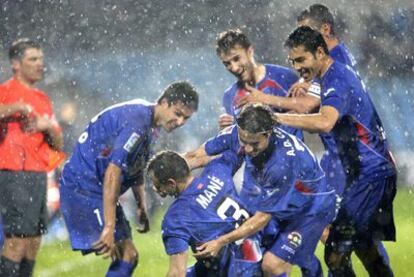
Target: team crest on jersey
129,145
295,239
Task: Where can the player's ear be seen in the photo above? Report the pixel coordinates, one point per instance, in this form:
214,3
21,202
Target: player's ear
171,183
15,64
250,51
320,52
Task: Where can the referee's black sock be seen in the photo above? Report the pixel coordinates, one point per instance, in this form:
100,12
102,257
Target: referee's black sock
26,268
9,268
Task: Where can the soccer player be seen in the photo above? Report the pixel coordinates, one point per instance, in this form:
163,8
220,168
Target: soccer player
359,158
287,186
319,17
205,207
29,136
256,82
109,158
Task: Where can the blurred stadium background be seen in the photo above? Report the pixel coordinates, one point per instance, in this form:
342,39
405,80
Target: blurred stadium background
102,52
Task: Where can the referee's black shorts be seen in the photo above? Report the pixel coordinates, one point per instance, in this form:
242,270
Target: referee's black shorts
23,203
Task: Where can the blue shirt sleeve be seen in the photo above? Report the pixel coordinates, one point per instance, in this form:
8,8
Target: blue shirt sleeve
228,163
174,234
227,139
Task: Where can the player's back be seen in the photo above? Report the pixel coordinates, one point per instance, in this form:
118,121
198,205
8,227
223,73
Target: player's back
341,53
100,144
208,207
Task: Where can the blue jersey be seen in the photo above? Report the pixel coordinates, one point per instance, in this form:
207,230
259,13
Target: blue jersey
277,81
207,208
285,180
340,53
358,138
120,134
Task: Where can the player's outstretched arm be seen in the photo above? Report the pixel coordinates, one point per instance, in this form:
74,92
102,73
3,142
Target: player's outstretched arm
178,265
111,188
248,228
324,121
303,104
197,158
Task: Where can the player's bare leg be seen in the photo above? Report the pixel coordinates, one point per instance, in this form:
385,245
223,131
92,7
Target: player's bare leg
126,261
272,265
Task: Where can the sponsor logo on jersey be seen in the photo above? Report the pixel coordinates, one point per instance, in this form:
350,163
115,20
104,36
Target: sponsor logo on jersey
129,145
295,239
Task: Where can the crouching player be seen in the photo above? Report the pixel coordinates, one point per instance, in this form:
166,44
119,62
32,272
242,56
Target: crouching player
282,182
205,208
108,159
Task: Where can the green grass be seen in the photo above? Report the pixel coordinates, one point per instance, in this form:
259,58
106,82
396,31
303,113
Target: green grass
58,259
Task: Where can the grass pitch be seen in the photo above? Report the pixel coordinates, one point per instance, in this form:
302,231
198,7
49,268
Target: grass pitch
58,260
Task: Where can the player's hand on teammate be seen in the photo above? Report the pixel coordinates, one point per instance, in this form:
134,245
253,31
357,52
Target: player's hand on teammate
209,249
143,221
254,96
106,244
225,120
298,89
275,117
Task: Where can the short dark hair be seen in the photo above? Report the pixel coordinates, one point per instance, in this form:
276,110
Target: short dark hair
181,91
18,47
168,165
255,118
318,13
227,40
307,37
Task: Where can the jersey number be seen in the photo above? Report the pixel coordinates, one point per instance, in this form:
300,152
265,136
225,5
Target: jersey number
230,208
98,216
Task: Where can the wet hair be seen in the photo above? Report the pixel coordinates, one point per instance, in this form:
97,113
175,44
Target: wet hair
180,92
255,118
309,38
168,165
319,14
18,48
231,38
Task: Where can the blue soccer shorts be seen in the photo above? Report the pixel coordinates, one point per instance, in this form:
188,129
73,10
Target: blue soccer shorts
83,215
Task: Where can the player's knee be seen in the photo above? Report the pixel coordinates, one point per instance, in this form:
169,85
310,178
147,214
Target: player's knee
273,265
15,248
131,255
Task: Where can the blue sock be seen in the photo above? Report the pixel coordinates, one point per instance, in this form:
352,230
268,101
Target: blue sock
120,268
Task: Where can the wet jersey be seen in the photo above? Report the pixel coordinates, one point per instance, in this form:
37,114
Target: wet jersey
277,81
284,180
358,137
207,208
341,53
120,134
